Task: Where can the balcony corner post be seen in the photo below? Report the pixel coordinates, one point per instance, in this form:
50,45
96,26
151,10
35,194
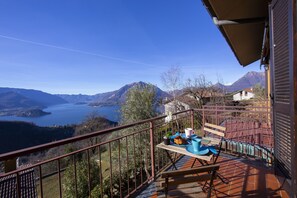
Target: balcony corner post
152,142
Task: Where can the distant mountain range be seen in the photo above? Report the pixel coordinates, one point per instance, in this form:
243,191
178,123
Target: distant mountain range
34,96
248,80
28,102
9,100
109,98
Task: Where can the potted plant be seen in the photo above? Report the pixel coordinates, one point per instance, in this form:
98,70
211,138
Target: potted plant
167,138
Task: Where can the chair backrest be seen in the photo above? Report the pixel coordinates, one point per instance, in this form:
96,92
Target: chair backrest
190,175
214,129
27,185
216,134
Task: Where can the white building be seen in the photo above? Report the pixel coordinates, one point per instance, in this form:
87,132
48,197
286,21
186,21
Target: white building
183,102
245,94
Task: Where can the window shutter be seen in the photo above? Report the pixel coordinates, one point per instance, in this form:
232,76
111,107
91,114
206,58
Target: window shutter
282,76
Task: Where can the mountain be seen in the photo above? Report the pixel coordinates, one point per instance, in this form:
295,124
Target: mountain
248,80
110,98
12,100
44,99
76,98
119,96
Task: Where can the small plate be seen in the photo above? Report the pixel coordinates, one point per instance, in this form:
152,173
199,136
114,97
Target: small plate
203,150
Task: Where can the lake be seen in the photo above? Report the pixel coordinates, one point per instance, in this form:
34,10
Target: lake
64,114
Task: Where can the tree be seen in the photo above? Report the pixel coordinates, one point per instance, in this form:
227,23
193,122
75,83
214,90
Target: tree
92,123
140,104
259,92
172,80
202,90
82,179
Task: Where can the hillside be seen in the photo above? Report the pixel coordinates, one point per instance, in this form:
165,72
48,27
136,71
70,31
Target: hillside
13,100
29,134
248,80
18,135
109,98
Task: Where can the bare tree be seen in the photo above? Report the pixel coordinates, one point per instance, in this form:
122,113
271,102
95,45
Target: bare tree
202,90
198,88
172,81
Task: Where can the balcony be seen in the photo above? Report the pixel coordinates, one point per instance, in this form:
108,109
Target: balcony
124,161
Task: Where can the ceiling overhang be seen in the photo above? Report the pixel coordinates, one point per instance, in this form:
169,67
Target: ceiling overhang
242,23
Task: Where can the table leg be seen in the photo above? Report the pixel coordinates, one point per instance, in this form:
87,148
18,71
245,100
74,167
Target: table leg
193,163
173,162
174,159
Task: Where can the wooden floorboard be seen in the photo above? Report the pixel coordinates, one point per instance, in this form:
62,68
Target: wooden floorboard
247,178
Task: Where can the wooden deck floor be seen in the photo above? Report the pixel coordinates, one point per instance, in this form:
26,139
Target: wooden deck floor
247,178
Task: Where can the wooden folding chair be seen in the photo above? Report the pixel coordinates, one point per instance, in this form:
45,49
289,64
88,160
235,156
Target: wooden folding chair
206,173
215,133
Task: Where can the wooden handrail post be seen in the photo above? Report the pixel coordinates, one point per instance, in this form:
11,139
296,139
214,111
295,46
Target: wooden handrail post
152,142
192,118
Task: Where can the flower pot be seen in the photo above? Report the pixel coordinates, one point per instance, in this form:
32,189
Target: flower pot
166,141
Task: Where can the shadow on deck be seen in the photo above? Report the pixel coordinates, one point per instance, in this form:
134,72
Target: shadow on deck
247,178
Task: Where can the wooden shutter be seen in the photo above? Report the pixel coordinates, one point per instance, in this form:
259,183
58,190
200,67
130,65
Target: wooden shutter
282,83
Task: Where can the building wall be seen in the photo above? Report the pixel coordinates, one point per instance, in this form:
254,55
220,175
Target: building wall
170,107
244,95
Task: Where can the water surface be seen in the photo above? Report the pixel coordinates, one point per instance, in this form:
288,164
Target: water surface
69,113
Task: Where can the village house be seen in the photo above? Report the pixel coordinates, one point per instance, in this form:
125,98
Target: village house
244,94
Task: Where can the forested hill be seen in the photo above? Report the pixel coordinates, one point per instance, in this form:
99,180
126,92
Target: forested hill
19,135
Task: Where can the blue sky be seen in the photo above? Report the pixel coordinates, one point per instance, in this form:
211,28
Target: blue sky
94,46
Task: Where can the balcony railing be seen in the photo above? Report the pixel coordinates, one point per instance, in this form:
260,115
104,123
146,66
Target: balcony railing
119,161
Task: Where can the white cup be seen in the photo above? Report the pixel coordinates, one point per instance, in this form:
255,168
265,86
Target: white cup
188,132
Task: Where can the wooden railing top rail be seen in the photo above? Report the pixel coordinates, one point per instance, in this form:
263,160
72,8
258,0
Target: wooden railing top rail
42,147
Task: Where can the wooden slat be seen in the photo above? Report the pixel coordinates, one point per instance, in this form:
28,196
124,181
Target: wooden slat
213,141
185,180
183,190
190,171
215,126
214,132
